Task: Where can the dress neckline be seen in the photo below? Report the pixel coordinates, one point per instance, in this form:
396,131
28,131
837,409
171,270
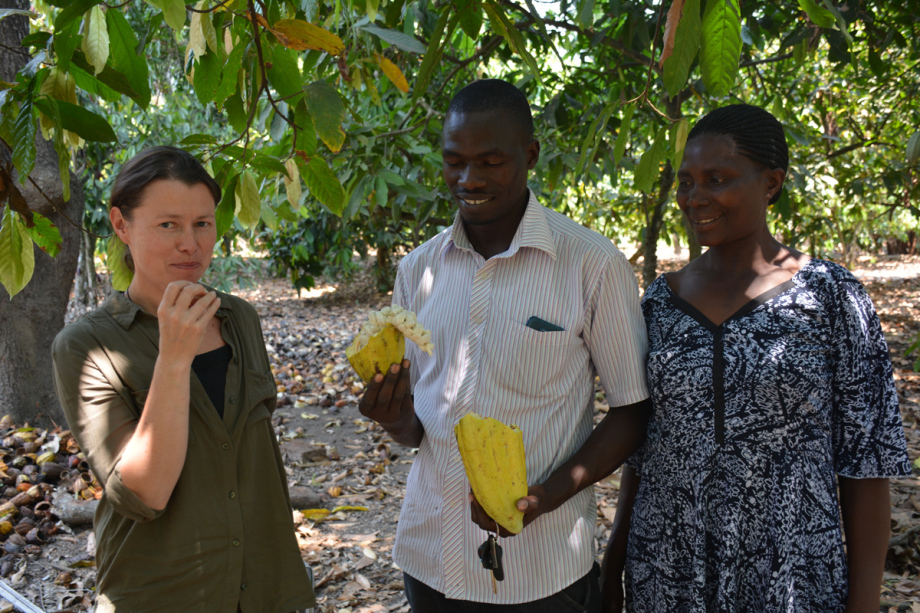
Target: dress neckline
746,309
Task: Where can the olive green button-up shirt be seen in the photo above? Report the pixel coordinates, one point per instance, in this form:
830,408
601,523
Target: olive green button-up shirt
226,538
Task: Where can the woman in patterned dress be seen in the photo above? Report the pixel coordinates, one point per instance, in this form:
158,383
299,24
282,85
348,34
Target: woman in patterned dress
771,385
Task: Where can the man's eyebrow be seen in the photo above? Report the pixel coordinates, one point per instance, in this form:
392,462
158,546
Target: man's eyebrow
481,154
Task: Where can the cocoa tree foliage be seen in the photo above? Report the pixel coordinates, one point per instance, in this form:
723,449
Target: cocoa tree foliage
321,119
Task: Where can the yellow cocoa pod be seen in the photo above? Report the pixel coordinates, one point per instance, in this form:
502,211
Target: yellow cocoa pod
493,456
383,349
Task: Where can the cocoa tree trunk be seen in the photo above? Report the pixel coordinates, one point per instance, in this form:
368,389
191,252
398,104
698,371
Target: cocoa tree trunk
652,232
30,321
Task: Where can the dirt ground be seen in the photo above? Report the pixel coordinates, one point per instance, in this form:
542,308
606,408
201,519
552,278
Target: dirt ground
348,479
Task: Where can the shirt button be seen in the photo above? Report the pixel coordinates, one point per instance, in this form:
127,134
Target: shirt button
243,587
226,446
232,494
236,360
236,542
232,399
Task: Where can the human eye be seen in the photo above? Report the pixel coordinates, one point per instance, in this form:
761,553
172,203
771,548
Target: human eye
167,225
203,224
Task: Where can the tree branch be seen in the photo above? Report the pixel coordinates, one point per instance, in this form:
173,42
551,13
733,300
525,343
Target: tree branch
769,60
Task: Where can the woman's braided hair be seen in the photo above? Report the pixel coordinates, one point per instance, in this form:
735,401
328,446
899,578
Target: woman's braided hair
757,134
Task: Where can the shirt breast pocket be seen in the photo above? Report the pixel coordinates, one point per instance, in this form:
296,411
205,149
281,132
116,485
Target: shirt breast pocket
532,363
260,391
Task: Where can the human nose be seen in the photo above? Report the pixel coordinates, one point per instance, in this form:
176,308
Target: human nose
469,178
186,242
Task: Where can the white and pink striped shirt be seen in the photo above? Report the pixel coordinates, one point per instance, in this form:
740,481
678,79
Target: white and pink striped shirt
486,360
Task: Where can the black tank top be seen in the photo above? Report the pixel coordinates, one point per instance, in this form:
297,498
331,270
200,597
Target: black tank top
211,368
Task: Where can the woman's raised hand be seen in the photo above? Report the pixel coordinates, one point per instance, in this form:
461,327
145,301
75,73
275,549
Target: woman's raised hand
184,314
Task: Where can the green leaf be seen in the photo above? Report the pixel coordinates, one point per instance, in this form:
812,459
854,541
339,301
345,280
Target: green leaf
24,140
248,202
229,78
676,67
395,38
432,55
227,207
649,163
86,124
470,12
323,184
381,191
721,45
328,111
45,234
593,138
306,135
96,39
115,261
8,12
72,13
512,36
124,58
284,75
819,15
65,41
17,258
585,16
913,148
110,84
207,77
678,142
619,148
173,12
236,112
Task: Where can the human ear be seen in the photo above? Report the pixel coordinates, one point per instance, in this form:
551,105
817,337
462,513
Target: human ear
775,179
533,153
119,223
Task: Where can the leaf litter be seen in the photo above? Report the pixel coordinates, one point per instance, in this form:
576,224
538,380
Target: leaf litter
347,477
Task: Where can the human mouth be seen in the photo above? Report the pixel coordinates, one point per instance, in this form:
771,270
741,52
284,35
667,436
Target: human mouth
705,222
474,201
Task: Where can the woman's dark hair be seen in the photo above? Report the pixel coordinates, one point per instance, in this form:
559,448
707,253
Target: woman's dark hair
154,164
757,134
494,95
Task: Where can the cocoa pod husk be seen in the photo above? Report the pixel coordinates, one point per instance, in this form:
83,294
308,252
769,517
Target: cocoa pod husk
21,499
16,539
33,537
44,458
10,547
23,478
42,509
9,492
52,470
22,529
29,447
27,511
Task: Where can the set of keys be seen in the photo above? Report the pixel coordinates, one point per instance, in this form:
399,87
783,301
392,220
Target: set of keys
490,554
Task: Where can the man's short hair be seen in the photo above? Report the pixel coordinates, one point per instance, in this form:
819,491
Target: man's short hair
494,95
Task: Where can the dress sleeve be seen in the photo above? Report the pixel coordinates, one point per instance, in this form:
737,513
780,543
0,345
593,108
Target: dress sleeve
615,334
868,436
100,416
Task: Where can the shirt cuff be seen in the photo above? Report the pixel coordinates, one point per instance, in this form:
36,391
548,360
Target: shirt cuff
126,502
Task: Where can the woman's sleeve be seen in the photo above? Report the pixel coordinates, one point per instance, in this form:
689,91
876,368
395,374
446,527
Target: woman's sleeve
100,415
868,436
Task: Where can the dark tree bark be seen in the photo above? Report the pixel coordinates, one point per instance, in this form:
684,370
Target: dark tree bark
30,321
653,231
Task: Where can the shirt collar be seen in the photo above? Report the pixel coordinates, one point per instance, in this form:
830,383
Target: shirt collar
533,231
123,311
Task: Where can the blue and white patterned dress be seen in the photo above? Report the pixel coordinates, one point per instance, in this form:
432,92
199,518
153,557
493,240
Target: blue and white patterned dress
737,510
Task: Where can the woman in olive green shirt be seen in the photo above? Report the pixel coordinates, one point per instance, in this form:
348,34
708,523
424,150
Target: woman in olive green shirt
168,390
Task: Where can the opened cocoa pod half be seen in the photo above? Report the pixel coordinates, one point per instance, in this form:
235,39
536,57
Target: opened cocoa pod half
48,529
81,482
27,511
36,492
45,457
10,547
29,447
23,478
10,492
21,461
30,469
42,509
16,539
33,537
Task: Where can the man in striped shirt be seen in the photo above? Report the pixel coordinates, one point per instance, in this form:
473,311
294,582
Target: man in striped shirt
525,306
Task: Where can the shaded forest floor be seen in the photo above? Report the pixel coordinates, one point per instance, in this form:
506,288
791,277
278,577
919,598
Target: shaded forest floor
338,461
